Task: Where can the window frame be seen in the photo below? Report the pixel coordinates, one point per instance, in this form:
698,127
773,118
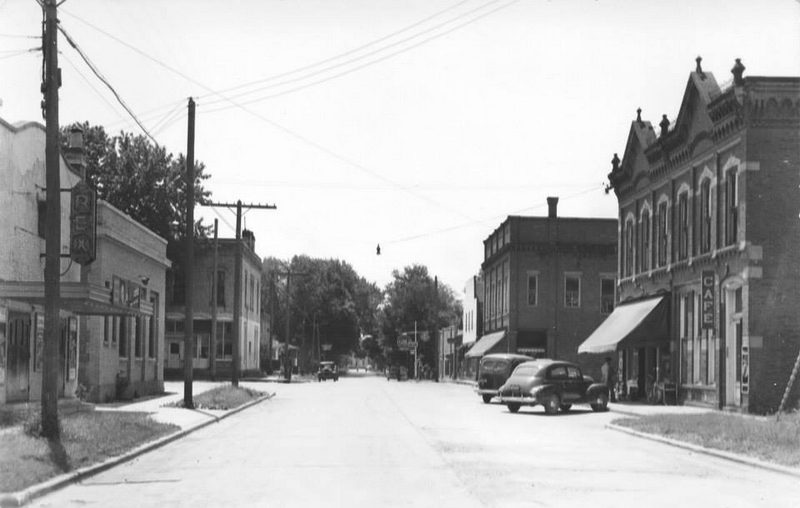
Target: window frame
535,276
567,301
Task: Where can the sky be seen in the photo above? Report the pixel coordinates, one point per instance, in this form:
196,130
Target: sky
419,125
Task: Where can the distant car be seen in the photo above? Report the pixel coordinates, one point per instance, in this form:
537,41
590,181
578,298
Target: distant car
396,372
493,371
556,385
327,370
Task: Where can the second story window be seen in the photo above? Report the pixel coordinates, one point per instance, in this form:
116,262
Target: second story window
661,234
606,295
683,226
705,216
628,254
644,251
533,286
731,208
572,291
220,289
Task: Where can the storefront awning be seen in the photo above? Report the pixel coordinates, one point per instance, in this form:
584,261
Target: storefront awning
644,320
77,297
485,343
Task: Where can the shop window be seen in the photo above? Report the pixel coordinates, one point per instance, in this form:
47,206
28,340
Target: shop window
138,341
152,336
202,345
174,348
533,286
606,296
107,323
123,337
572,291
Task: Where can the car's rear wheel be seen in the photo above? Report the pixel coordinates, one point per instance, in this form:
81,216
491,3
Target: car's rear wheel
600,402
551,404
513,407
565,407
487,399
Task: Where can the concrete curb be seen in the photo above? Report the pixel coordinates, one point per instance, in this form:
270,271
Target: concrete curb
734,457
27,495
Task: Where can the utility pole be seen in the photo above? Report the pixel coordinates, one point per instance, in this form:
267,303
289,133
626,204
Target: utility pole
214,290
188,341
237,283
52,268
272,297
287,368
437,344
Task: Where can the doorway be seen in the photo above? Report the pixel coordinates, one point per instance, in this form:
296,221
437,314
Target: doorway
19,355
735,361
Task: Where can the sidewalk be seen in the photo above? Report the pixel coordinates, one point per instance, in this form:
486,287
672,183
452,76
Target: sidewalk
188,421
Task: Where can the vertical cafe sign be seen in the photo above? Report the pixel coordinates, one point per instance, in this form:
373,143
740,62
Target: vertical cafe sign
707,300
83,218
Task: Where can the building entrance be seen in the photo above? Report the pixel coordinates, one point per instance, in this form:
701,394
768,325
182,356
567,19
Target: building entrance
19,355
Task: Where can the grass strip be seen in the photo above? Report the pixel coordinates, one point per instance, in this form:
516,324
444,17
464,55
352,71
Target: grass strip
758,437
87,437
223,398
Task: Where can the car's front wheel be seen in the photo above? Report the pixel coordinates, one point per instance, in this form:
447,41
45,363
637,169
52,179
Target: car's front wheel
513,407
600,402
487,399
551,404
565,407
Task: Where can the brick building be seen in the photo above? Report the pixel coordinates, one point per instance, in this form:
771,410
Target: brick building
122,352
219,357
708,209
548,282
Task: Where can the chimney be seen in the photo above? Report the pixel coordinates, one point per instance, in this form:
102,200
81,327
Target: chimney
738,71
552,206
249,238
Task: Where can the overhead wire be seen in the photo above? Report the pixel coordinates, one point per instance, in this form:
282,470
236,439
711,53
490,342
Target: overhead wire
370,62
594,188
296,135
102,78
91,85
349,52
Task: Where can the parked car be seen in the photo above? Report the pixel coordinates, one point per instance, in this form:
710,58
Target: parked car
327,370
396,372
493,371
556,385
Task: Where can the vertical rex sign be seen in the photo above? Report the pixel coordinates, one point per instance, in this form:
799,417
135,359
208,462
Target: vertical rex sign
83,215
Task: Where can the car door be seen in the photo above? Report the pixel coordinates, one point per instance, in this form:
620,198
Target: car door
574,390
557,378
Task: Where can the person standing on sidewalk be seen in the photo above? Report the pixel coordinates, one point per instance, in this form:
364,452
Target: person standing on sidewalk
609,378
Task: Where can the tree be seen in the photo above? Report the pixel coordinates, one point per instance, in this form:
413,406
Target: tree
141,179
410,298
329,297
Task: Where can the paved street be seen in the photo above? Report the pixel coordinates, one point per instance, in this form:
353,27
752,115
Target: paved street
367,442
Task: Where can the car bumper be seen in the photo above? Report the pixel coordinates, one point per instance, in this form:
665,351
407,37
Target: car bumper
486,391
522,400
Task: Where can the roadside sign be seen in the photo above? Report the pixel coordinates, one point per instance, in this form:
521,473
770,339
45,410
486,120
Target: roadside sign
406,342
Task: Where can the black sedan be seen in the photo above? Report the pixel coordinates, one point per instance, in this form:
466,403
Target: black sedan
556,385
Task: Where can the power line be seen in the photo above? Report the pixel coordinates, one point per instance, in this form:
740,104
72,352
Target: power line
371,53
91,85
350,52
292,133
487,219
105,81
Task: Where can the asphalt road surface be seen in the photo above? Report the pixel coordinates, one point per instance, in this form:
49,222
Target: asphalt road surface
368,442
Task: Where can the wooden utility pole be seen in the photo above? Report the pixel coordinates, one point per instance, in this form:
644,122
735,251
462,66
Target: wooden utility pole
287,367
188,342
237,284
272,297
214,290
437,343
52,268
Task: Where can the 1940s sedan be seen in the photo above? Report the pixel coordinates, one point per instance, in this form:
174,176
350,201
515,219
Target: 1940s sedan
493,371
556,385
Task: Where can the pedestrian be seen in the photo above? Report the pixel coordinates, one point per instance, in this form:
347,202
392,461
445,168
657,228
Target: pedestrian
609,378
